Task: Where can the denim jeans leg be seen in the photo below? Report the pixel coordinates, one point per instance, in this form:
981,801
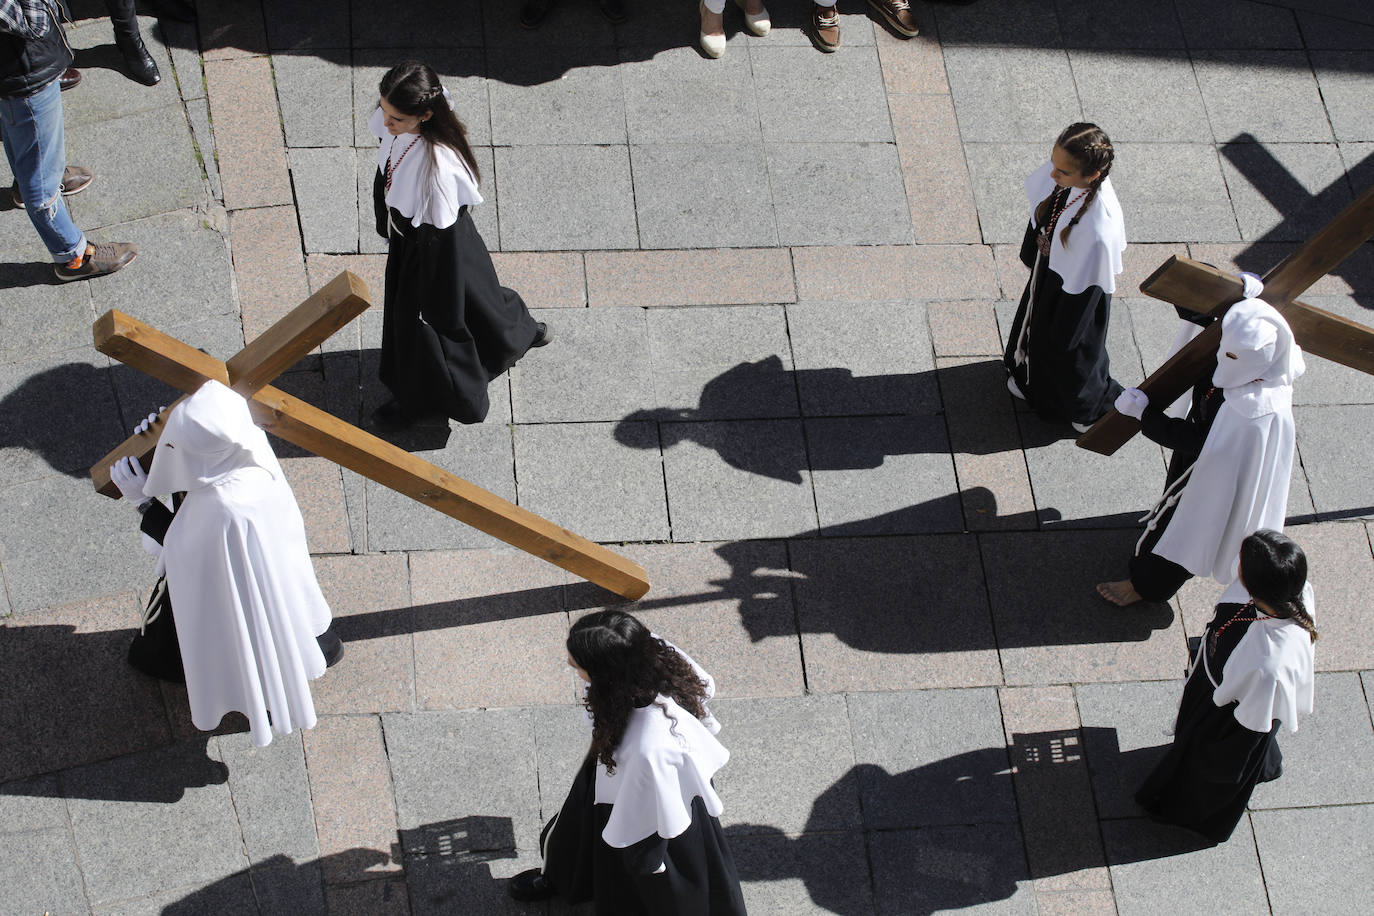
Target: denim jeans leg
36,147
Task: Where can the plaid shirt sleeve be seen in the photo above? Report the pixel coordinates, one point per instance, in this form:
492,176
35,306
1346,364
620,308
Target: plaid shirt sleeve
25,18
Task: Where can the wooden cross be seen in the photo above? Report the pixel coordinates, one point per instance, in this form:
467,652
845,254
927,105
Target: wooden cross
251,370
1202,288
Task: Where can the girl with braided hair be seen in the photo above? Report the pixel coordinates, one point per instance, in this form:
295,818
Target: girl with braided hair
1251,673
448,325
639,832
1056,356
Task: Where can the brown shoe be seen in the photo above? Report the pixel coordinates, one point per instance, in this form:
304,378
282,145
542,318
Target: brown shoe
69,79
897,13
74,180
99,260
825,28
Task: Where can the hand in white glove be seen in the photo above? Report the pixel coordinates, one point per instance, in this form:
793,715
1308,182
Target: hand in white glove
1132,402
148,421
129,476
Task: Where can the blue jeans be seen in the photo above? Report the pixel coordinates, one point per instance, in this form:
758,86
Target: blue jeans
37,150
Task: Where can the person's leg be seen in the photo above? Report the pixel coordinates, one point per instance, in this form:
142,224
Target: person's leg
713,28
825,26
140,64
35,145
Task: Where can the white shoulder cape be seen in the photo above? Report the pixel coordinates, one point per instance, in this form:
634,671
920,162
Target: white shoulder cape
1093,257
1269,675
424,190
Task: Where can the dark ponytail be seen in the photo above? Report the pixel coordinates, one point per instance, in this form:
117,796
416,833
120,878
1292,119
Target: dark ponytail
1274,570
412,88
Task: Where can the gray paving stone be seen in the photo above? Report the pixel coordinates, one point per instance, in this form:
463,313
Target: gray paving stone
203,138
1126,729
293,24
929,758
497,798
139,846
775,783
1327,32
703,196
1333,460
1358,158
838,194
32,804
562,738
1264,96
790,21
999,94
680,96
565,26
271,795
1074,636
131,185
1329,383
442,884
549,204
601,480
479,454
974,869
287,888
1346,79
1156,867
460,71
184,46
40,873
1284,191
1173,192
721,363
994,22
998,172
1144,24
326,215
44,318
811,873
229,896
315,93
378,24
1237,24
1316,854
369,242
1328,762
1159,92
737,479
883,475
838,98
597,368
886,646
106,92
862,358
560,96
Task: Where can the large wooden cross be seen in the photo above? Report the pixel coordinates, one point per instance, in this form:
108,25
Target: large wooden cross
1202,288
251,370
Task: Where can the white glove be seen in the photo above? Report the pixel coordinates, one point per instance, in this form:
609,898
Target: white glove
1132,402
1253,284
143,425
129,476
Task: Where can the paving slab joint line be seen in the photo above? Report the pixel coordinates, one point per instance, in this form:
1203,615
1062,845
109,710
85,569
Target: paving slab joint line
71,838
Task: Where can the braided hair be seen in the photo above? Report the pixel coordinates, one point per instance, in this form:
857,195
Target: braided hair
412,88
1274,570
1090,148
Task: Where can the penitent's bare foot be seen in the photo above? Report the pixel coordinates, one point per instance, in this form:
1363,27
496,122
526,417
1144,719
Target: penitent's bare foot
1121,593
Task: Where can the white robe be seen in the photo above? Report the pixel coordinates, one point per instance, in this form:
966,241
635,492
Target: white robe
248,606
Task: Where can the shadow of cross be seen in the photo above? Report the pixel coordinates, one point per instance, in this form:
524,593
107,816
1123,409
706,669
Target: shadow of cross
249,373
1204,289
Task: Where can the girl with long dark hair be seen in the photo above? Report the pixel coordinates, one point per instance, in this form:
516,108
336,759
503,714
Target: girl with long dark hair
448,327
1251,673
1056,356
639,832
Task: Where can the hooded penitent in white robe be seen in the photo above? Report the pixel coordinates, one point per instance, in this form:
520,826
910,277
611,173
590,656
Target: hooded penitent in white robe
1239,483
247,602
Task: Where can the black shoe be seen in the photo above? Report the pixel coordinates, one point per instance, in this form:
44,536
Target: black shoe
543,337
533,12
332,647
613,10
394,415
529,886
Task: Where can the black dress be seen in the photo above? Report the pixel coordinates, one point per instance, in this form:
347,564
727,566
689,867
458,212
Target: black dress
448,325
1066,374
1205,779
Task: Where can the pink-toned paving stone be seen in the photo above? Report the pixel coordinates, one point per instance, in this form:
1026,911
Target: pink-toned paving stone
938,187
318,486
231,29
1342,573
370,598
268,266
489,629
248,140
321,268
912,65
964,328
350,785
544,279
716,276
1140,260
895,272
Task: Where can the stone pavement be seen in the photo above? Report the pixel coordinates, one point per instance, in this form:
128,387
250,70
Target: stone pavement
779,282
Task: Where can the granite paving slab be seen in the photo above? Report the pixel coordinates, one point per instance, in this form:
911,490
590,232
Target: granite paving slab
231,896
866,609
940,197
998,172
351,789
810,873
1141,24
1073,636
371,898
1058,467
703,195
1150,98
837,99
315,93
251,158
1237,24
460,70
40,873
709,277
1315,854
369,242
548,204
999,93
184,46
598,368
730,479
929,758
1340,573
289,888
1346,79
887,272
1340,28
378,24
566,25
1328,761
994,22
560,96
106,92
1332,459
681,96
1173,192
289,26
977,868
1265,96
203,141
271,795
544,279
232,29
790,22
721,363
131,185
1126,729
370,600
1155,866
912,64
1284,191
838,193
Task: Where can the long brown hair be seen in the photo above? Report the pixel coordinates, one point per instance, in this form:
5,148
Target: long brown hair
412,87
1090,148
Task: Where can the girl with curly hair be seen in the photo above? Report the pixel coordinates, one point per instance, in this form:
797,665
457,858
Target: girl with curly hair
640,829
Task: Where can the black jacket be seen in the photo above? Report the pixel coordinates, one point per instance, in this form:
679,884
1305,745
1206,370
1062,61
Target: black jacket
29,64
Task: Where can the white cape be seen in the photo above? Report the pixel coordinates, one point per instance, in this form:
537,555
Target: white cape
1093,257
1269,675
247,604
424,189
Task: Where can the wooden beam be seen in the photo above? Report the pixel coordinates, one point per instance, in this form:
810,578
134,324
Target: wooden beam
140,446
1193,285
325,435
150,351
302,329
